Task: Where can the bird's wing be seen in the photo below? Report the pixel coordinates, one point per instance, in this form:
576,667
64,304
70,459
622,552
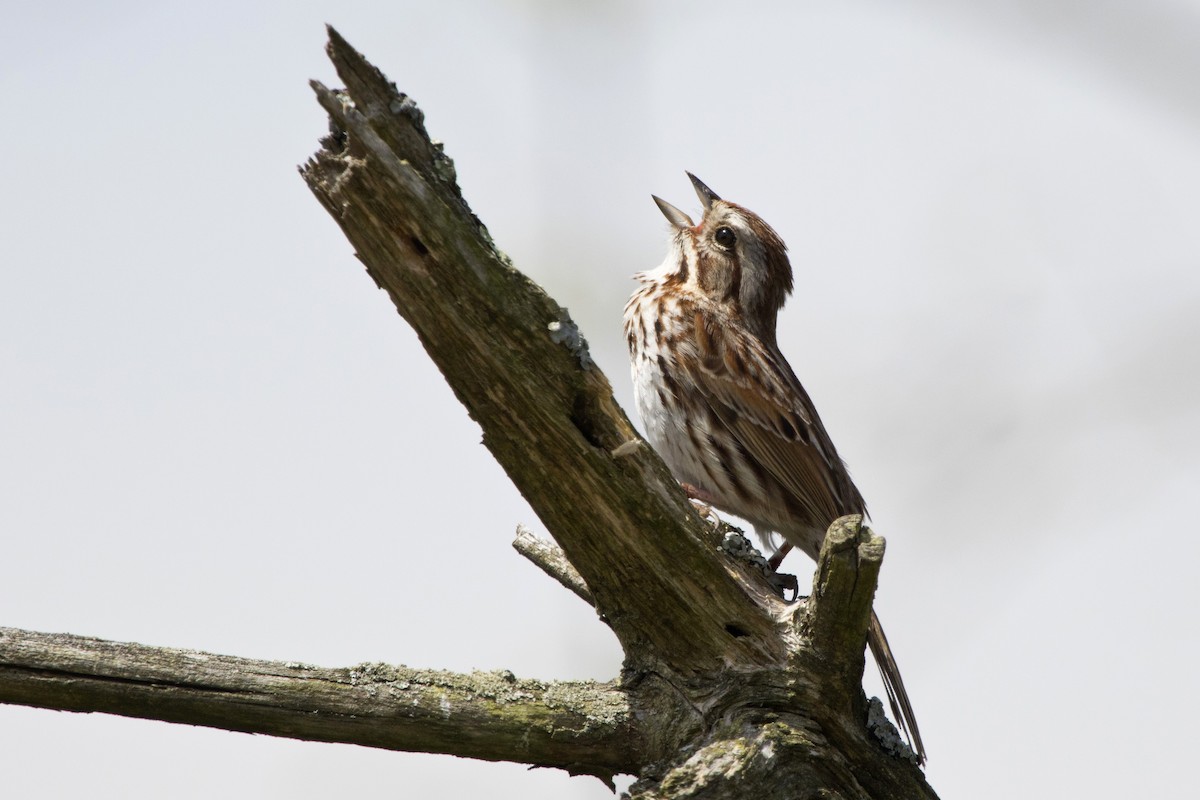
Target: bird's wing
755,394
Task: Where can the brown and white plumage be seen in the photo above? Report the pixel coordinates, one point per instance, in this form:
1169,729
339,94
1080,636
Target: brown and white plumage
721,404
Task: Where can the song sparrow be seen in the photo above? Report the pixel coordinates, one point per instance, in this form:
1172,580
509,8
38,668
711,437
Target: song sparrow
721,404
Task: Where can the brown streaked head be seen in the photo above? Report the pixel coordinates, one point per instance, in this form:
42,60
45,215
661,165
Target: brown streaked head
734,258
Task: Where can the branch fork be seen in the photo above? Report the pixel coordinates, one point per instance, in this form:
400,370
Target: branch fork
726,690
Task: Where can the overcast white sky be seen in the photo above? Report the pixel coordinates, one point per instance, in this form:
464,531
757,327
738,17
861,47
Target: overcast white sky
216,433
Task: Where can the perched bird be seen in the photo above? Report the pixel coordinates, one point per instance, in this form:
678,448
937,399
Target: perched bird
721,404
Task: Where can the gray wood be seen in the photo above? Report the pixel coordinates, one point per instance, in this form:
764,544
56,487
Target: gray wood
727,691
579,726
550,559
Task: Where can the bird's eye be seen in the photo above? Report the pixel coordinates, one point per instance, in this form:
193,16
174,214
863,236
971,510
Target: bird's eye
725,237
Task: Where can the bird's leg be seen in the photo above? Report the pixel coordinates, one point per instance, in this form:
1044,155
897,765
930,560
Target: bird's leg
702,500
696,493
777,559
784,581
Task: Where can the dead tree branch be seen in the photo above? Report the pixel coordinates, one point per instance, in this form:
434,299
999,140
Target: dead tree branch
726,692
582,727
550,560
520,366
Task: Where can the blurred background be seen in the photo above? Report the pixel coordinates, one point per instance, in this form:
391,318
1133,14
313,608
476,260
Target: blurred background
216,433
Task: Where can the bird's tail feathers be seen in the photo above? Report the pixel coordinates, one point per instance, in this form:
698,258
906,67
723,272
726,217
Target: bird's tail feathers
894,685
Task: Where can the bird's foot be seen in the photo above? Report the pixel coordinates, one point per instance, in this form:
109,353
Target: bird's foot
706,512
702,501
783,584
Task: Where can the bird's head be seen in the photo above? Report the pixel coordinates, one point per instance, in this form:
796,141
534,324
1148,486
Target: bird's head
732,257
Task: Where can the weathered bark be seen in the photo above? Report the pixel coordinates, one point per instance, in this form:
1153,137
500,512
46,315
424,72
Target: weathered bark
551,561
580,726
727,691
518,363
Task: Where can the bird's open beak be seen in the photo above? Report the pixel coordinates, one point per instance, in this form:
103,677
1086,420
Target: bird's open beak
705,194
673,214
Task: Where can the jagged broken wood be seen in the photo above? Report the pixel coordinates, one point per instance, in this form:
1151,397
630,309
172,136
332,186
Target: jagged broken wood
726,691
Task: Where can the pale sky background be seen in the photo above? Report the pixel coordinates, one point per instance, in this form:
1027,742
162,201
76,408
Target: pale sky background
216,433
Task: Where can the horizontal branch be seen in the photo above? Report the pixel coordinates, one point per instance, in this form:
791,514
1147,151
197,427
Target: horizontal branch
582,727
